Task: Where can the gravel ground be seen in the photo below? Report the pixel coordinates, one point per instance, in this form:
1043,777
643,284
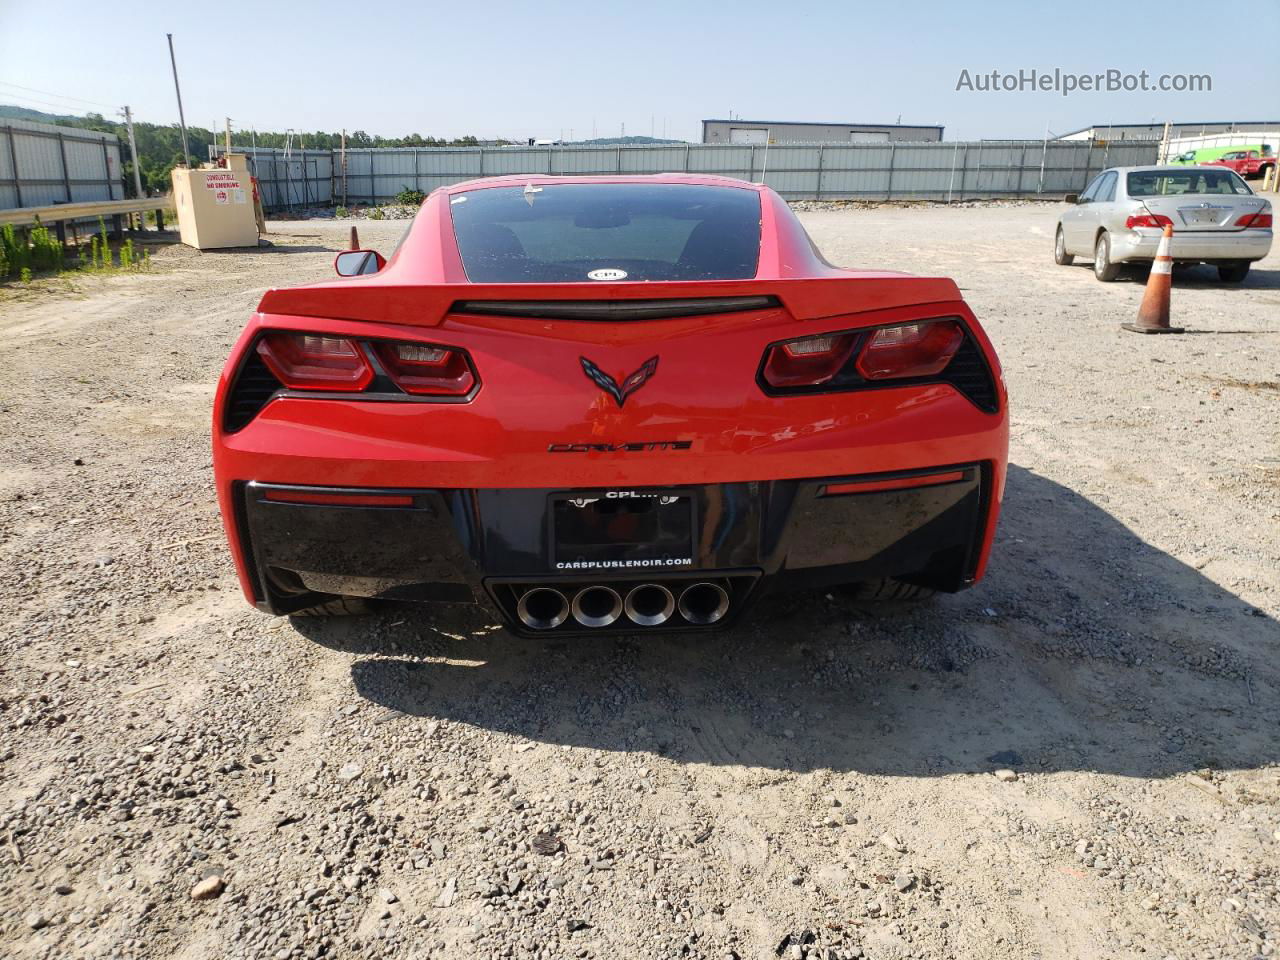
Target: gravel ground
1078,758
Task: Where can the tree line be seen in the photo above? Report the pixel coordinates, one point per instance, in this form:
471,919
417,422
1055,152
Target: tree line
160,146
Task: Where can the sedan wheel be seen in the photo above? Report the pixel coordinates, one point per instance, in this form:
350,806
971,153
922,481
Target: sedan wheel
1060,255
1103,268
1233,272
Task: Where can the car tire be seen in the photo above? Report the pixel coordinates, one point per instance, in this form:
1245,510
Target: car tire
1103,268
338,607
1233,272
888,590
1060,255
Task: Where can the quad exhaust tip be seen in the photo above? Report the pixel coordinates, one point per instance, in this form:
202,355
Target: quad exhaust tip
596,606
704,603
649,604
542,608
646,605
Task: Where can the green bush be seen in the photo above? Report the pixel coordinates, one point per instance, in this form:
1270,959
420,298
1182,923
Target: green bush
39,251
46,251
16,254
409,197
341,213
375,213
104,246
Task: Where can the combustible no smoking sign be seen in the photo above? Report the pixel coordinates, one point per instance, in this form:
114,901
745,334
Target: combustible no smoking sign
225,186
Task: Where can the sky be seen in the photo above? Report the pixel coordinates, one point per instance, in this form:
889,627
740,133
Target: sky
571,70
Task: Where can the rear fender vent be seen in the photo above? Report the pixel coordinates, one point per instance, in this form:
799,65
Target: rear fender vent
254,386
614,310
968,372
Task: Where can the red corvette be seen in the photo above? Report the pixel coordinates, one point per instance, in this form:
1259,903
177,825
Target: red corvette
607,404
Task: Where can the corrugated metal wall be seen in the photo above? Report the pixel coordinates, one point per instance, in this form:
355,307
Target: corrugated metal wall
56,165
891,171
303,178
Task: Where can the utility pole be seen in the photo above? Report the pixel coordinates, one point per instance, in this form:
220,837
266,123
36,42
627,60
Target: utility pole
228,141
133,152
178,90
343,155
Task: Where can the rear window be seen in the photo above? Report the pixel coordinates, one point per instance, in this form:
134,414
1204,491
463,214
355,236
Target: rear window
572,232
1163,183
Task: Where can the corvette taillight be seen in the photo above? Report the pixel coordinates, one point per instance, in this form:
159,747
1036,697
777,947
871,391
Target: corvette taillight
308,361
935,350
1256,220
910,350
809,362
426,370
1148,220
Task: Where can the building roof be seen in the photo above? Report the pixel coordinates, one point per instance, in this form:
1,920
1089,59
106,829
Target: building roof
828,123
1173,123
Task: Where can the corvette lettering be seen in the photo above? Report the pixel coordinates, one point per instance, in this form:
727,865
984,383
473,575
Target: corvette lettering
650,447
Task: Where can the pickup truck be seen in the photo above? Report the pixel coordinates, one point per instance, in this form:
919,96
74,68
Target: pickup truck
1247,163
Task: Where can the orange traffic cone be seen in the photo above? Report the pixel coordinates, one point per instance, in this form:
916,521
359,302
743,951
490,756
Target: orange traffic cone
1153,314
355,238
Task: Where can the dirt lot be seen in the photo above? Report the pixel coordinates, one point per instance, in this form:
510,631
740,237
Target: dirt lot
817,783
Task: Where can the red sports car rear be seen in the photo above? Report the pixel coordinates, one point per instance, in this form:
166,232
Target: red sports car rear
604,404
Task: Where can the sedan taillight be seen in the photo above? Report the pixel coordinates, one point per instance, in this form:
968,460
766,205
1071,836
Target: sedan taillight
1148,220
1256,220
308,361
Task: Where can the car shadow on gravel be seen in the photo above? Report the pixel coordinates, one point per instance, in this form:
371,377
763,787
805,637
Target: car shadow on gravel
1085,648
1197,277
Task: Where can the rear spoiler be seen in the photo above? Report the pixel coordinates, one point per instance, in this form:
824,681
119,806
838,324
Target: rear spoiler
426,305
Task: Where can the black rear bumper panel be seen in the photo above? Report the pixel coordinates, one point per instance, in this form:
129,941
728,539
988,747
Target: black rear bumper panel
488,545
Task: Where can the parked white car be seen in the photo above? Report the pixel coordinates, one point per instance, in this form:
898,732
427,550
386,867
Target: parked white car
1122,213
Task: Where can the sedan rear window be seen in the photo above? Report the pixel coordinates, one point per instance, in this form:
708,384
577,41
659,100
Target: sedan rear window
570,232
1163,183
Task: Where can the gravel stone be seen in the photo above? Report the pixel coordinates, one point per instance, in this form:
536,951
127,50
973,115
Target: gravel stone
638,795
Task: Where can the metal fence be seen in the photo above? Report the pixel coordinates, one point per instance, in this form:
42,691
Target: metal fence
42,164
892,171
299,178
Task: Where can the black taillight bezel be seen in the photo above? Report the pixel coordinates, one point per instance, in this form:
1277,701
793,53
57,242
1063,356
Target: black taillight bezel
977,386
239,411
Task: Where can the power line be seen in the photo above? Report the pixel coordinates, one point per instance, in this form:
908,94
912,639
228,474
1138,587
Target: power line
21,100
57,96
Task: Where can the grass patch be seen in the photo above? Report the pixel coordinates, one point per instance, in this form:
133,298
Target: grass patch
25,255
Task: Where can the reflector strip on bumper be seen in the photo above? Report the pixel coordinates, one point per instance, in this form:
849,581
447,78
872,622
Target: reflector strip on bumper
893,483
339,499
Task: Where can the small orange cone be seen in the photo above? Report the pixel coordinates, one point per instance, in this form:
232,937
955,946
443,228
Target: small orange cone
355,238
1153,314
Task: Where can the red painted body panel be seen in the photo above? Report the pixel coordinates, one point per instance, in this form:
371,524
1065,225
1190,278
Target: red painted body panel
534,393
1252,165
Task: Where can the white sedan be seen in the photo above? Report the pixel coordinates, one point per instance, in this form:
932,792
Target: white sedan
1122,213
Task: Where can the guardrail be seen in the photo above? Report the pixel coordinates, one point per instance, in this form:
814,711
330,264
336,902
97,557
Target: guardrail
58,215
